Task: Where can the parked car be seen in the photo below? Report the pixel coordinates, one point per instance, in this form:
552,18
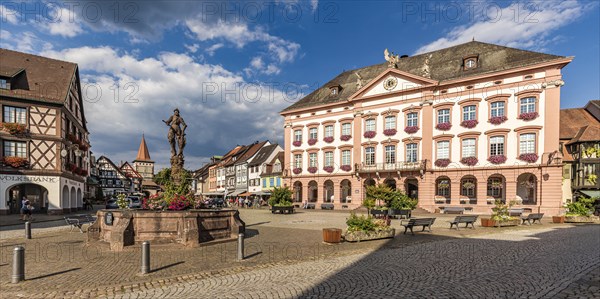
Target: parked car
134,202
111,203
214,203
597,207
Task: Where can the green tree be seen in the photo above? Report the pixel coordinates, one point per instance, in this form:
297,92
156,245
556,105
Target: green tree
281,196
163,176
381,192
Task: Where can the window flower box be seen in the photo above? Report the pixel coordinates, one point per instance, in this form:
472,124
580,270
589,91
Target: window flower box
442,162
490,200
369,134
312,141
529,158
469,161
411,129
346,167
464,200
469,124
297,170
297,143
389,132
496,120
328,169
497,159
328,139
443,126
345,137
312,169
439,199
15,162
528,115
14,128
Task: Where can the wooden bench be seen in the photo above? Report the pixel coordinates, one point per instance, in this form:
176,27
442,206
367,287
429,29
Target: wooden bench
454,210
77,221
424,222
327,206
282,210
532,218
463,219
379,213
310,206
515,212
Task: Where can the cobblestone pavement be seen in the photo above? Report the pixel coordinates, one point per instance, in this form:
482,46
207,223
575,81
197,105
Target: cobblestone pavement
526,264
287,259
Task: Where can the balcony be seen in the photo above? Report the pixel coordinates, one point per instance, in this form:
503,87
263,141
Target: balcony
383,167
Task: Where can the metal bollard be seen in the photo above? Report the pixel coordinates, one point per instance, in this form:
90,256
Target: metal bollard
145,257
18,274
240,247
27,230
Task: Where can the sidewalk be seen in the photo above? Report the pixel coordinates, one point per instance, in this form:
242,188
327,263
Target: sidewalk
15,219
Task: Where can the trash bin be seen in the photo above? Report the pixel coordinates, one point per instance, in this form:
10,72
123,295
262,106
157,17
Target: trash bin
332,235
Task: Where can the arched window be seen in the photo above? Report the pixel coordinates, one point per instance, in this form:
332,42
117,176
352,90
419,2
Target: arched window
468,187
442,187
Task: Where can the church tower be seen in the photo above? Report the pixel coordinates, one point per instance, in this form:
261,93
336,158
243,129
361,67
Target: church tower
142,163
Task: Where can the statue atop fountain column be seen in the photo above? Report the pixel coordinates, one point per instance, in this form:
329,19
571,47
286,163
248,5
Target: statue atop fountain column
176,139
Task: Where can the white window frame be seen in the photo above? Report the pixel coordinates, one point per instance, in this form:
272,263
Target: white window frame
527,105
470,112
329,131
527,143
412,119
15,149
390,122
298,135
497,109
469,147
313,133
298,160
312,160
412,154
390,154
443,116
346,157
347,129
497,145
370,125
328,158
13,114
370,155
443,149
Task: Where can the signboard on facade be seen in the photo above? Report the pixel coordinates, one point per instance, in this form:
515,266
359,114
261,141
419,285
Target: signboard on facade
28,179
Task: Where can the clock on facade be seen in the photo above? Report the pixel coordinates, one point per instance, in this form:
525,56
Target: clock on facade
390,83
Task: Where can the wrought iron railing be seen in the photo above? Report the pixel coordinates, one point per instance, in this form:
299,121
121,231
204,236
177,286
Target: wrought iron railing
398,166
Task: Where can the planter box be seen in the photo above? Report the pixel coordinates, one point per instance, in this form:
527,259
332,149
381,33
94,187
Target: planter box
282,210
488,222
332,235
366,236
558,219
582,219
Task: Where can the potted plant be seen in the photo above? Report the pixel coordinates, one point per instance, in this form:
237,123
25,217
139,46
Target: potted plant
528,116
328,139
297,143
389,132
411,129
369,134
346,167
580,211
345,137
469,124
500,216
328,169
497,159
15,162
529,158
297,170
362,228
490,200
443,126
591,178
442,162
312,169
496,120
281,200
311,141
14,128
469,161
439,199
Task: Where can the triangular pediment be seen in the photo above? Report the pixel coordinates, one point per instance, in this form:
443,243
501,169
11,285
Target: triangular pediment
392,81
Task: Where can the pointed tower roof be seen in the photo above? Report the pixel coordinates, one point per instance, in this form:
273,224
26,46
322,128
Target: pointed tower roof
143,153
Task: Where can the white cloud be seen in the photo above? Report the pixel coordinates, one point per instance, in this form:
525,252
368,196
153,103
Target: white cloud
212,49
532,28
192,48
8,15
26,42
279,50
63,23
162,83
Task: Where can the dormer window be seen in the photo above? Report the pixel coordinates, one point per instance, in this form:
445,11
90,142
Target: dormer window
470,63
334,90
4,84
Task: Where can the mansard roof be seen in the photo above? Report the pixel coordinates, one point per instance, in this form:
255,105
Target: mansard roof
440,65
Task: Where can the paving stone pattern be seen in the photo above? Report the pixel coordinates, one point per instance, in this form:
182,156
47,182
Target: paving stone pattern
546,264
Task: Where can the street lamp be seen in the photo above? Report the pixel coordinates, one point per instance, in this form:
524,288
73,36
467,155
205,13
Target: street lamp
73,147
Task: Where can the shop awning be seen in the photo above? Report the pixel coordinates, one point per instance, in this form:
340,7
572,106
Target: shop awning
591,193
236,192
245,194
261,193
213,193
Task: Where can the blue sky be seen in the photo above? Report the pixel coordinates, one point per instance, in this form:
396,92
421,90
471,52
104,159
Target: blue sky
232,66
